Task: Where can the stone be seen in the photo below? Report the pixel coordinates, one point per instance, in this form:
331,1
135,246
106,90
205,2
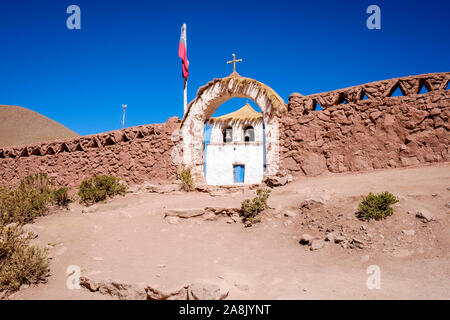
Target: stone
124,291
156,293
410,232
339,239
184,212
306,239
409,161
330,237
425,215
210,216
90,284
291,214
275,181
317,244
314,164
206,291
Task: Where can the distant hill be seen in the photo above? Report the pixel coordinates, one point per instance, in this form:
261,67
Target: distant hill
20,126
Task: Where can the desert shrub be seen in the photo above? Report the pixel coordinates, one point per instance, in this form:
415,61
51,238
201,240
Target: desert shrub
98,188
61,197
20,263
185,176
377,206
250,209
31,199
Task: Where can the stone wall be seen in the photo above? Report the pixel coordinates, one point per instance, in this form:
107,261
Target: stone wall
353,133
134,154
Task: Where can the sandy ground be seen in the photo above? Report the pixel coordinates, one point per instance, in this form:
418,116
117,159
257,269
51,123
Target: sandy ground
128,240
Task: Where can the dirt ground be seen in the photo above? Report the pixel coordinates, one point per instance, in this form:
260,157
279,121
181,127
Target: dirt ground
128,239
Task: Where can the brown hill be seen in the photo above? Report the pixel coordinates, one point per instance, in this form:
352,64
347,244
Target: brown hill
20,126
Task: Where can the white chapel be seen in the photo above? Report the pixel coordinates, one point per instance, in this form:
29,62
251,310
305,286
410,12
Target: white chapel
234,148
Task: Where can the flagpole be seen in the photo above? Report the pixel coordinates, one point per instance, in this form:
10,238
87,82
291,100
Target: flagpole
185,96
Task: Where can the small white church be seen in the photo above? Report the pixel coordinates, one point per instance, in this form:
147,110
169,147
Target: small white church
234,148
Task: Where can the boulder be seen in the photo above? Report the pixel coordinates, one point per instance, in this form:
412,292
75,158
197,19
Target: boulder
317,244
275,181
206,291
424,215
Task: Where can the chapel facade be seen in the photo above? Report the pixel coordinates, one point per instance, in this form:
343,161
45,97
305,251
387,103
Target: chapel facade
234,148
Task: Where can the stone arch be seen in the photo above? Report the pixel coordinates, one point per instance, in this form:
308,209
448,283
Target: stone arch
210,97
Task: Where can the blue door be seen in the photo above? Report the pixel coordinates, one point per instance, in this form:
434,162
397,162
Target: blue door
239,172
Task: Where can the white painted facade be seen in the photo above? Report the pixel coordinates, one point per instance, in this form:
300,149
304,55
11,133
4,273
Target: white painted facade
222,156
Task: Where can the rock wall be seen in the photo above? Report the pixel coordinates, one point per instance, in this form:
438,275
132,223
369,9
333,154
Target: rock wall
363,127
134,154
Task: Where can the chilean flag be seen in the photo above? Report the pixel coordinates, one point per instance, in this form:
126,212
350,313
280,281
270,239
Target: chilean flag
182,52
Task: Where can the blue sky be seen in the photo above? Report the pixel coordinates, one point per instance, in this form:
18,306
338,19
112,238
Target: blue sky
127,52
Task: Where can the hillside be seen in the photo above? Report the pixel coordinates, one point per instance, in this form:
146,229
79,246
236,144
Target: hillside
23,126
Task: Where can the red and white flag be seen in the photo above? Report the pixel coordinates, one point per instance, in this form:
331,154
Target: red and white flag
182,52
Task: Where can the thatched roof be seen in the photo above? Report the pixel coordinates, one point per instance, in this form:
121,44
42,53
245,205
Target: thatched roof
246,113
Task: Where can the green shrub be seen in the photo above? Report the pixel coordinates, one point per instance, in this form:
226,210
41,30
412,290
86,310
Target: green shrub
61,197
377,206
98,188
250,209
19,262
31,199
187,183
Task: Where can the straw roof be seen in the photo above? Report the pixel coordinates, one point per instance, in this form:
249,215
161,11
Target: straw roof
246,113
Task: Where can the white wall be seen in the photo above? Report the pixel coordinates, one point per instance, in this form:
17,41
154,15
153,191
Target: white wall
220,157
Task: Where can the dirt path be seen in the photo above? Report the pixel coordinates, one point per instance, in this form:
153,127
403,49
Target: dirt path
129,240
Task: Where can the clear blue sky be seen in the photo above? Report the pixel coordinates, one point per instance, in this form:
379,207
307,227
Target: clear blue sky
127,51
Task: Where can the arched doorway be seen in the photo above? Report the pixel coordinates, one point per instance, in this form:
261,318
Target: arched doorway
209,98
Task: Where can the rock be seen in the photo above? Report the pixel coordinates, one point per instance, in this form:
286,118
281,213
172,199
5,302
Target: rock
339,239
155,293
166,188
291,214
90,284
134,189
275,181
447,205
230,221
314,164
206,291
306,239
235,218
409,161
317,244
425,215
410,232
210,216
184,212
124,291
32,230
173,220
330,237
357,243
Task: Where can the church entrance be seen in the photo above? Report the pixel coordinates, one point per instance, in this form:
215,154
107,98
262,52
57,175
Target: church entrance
213,146
234,147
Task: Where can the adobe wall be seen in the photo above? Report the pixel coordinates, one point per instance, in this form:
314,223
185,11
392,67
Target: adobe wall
379,132
135,155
